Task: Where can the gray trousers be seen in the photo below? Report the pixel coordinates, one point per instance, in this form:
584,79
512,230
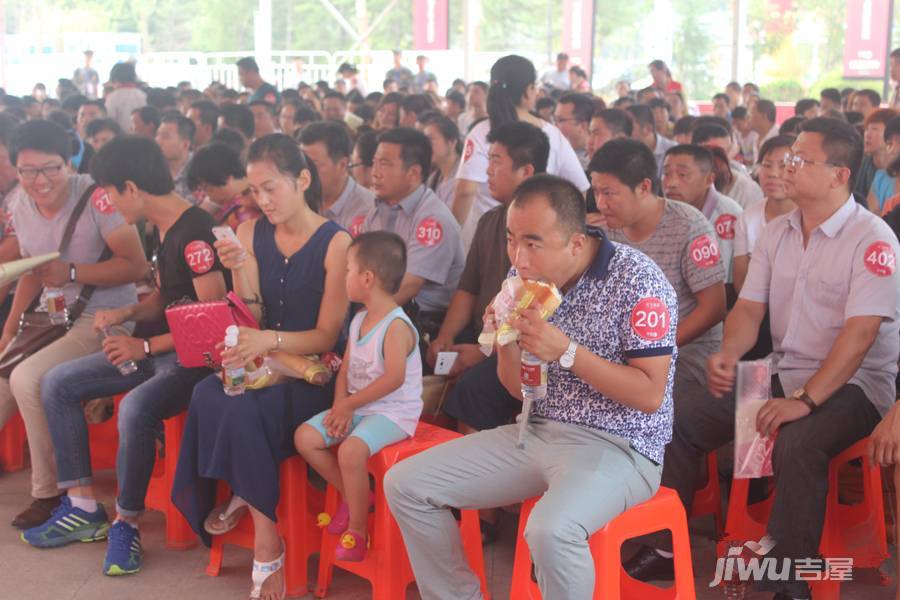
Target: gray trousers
800,459
587,478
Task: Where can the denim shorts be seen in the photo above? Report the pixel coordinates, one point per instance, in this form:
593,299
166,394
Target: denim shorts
377,431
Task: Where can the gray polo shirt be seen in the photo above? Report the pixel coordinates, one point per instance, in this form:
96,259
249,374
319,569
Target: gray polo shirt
351,207
684,246
848,269
38,235
433,248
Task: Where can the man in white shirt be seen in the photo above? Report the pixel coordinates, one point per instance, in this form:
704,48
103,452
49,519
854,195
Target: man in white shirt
344,201
762,121
126,97
645,131
558,78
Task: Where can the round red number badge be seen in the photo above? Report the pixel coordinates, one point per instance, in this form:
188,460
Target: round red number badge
100,200
704,251
725,227
356,225
650,319
429,232
470,148
199,256
880,259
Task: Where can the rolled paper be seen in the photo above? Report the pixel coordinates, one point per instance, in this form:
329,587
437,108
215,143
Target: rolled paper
12,270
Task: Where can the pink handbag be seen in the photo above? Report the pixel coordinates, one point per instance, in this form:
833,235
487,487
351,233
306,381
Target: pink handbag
198,327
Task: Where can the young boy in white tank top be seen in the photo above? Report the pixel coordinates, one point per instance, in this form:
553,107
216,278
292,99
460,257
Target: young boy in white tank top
378,391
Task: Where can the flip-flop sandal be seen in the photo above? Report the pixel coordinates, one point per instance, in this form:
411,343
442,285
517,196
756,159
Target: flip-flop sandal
219,522
264,570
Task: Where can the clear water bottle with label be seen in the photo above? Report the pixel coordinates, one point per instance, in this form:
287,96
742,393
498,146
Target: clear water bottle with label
125,367
533,374
234,380
56,306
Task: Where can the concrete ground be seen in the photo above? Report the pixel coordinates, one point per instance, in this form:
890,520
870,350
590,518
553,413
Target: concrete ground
73,572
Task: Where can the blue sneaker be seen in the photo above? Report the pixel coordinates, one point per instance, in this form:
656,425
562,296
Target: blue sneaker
67,525
123,556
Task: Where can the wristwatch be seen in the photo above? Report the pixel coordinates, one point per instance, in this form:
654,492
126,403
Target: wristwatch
147,352
567,360
803,397
71,272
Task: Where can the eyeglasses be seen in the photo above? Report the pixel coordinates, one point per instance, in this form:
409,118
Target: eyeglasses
798,162
48,171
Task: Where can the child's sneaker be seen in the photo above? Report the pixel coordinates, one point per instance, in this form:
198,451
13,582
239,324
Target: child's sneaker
351,547
66,525
123,556
341,520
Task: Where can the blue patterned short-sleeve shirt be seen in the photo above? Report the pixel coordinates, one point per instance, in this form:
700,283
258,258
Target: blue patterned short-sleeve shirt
622,308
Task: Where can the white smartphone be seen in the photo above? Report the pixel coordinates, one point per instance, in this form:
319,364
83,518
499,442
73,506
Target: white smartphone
444,362
224,232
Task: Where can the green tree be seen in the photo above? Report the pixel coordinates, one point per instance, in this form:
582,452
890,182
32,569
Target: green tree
693,46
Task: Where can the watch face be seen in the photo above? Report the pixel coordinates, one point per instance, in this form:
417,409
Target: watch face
566,361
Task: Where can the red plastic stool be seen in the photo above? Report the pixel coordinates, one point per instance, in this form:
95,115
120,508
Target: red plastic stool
851,531
179,535
708,499
12,444
296,513
663,511
386,565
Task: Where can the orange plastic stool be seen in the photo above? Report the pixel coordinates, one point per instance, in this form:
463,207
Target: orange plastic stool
12,444
851,531
179,535
297,510
386,565
663,511
708,499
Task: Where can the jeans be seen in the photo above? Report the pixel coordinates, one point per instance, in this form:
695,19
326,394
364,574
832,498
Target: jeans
159,389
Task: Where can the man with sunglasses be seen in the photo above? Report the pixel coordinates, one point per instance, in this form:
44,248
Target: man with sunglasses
827,274
40,209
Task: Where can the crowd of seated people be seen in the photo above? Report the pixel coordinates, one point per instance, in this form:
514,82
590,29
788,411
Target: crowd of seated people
381,228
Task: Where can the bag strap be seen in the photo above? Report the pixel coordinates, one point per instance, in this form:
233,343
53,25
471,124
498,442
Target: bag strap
67,237
87,291
73,218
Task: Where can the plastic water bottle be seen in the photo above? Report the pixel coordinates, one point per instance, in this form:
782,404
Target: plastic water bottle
56,306
235,380
533,374
126,367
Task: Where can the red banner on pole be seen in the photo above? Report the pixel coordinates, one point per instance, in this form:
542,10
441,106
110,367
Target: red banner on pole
431,22
866,38
578,33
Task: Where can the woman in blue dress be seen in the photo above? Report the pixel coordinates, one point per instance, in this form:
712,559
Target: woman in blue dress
294,262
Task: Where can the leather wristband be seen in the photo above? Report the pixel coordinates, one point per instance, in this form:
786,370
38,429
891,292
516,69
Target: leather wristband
805,399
